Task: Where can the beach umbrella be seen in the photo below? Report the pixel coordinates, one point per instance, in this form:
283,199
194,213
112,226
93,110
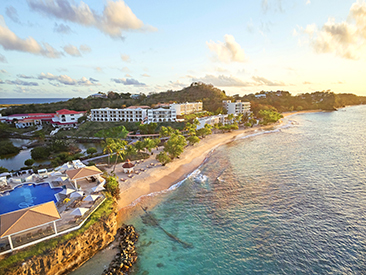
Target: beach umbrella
79,211
98,188
67,191
61,179
91,198
77,194
29,178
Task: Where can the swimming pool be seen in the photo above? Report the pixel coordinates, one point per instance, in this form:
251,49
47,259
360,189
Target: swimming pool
26,195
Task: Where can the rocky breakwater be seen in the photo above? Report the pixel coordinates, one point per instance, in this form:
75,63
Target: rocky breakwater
70,254
127,255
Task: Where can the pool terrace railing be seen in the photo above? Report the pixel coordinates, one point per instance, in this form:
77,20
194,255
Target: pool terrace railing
41,233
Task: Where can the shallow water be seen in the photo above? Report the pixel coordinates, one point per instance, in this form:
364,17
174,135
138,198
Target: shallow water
289,202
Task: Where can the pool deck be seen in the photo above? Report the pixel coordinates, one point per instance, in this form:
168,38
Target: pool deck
67,220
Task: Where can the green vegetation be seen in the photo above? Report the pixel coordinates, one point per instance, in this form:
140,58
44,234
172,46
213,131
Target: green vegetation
29,162
91,151
8,148
118,132
3,169
40,153
268,116
163,158
112,187
44,247
175,145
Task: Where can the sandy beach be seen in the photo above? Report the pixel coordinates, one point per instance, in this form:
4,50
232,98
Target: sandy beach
159,178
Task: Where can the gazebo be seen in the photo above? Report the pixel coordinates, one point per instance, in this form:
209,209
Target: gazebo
128,167
22,220
81,173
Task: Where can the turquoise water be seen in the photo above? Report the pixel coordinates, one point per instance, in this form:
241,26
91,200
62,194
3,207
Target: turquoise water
27,195
289,202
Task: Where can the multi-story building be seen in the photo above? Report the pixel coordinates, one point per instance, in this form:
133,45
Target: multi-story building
124,115
161,115
237,107
212,120
187,108
60,119
66,118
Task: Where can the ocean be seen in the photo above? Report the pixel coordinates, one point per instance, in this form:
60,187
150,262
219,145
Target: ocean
30,100
291,200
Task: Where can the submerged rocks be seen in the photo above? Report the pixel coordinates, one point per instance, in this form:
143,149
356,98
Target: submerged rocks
127,256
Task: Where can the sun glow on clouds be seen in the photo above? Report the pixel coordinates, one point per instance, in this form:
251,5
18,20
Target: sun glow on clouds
228,51
346,39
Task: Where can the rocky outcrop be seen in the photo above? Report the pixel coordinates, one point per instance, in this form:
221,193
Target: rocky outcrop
71,254
127,255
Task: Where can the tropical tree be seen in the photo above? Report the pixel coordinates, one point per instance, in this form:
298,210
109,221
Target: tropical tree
163,158
175,145
131,150
139,145
112,186
149,144
108,146
193,140
205,131
119,148
166,131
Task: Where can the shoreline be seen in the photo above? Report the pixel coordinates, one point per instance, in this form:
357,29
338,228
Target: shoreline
160,178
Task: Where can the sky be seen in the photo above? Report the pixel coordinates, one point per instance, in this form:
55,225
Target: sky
66,48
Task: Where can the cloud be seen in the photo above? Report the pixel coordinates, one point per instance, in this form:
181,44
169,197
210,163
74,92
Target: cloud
67,80
125,70
266,6
19,82
72,50
25,76
307,83
61,28
145,75
11,42
346,39
85,48
228,51
222,81
128,81
125,58
3,71
3,59
230,81
128,75
308,2
116,17
93,79
261,81
98,69
12,13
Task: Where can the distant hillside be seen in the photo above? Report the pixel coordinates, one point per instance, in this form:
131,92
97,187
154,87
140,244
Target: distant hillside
210,96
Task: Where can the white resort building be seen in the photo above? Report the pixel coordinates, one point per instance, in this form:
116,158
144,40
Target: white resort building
187,108
237,107
62,118
212,120
144,113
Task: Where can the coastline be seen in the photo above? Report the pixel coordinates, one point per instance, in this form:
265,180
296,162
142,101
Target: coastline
160,178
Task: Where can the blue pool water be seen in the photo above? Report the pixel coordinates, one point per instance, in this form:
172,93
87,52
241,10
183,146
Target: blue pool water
27,195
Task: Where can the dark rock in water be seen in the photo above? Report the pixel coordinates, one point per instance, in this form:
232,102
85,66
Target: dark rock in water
127,256
160,265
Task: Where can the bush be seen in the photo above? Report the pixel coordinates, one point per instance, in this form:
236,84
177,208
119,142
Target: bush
29,162
3,169
7,148
112,187
91,151
40,153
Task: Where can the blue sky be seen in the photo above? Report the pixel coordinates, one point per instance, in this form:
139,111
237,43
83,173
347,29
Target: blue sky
65,48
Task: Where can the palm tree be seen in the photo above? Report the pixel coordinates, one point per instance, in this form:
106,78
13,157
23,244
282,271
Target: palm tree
120,149
108,147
